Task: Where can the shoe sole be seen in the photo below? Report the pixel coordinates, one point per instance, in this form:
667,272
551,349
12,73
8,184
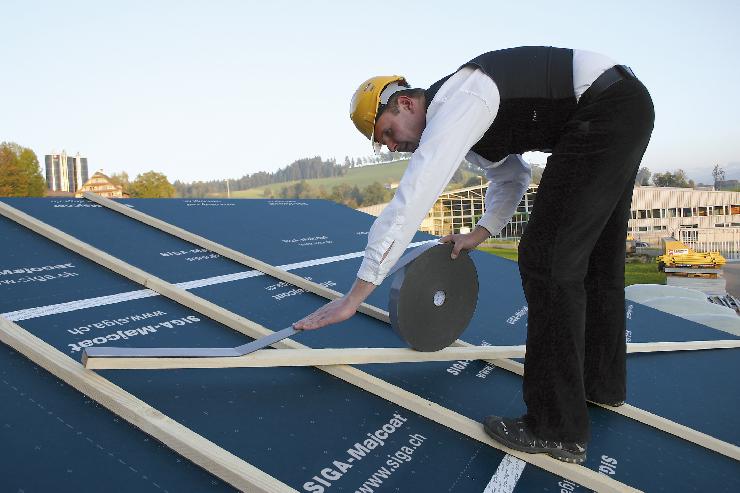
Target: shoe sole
560,455
612,404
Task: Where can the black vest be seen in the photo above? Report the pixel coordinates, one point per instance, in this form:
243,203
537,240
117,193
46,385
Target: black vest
536,88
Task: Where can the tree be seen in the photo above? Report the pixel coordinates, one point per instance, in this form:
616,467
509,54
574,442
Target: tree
643,177
375,193
151,185
474,181
341,193
121,179
718,173
356,197
303,190
322,193
675,179
537,173
457,176
20,175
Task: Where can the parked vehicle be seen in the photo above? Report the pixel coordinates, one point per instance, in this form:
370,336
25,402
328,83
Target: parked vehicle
677,254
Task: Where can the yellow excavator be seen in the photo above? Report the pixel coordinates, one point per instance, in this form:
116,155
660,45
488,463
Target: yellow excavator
677,254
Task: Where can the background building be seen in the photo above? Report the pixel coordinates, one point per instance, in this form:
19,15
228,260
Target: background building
703,219
457,211
65,173
101,184
730,185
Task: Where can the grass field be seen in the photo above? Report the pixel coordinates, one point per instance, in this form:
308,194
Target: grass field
508,253
633,273
362,177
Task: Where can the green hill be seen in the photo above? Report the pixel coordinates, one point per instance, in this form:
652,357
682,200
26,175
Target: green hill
362,177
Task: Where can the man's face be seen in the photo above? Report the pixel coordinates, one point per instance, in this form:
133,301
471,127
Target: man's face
402,131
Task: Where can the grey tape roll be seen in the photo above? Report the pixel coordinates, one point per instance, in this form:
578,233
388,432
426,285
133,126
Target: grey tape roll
433,297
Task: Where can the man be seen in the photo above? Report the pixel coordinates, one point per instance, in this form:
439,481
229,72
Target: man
596,118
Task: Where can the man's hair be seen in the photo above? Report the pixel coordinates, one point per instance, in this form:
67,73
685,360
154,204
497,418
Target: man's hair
392,104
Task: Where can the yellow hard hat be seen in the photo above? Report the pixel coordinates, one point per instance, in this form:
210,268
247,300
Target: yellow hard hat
368,98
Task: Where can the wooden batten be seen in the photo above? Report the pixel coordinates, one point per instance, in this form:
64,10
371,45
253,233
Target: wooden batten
660,347
307,357
359,356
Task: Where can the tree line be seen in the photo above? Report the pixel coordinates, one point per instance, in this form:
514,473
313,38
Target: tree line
302,169
344,193
351,196
678,178
21,176
381,157
147,185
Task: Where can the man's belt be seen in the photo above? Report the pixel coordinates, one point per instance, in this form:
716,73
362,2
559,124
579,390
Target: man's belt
608,79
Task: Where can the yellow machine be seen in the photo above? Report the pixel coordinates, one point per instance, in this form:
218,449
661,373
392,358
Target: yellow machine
677,254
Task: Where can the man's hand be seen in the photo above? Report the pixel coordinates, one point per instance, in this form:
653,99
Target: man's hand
338,310
466,241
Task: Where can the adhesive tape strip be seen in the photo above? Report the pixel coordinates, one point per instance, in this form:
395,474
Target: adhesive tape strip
433,297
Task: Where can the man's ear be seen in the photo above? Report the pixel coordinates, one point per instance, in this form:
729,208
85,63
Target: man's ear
407,103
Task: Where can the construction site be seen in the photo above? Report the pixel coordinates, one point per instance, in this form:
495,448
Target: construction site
347,408
292,247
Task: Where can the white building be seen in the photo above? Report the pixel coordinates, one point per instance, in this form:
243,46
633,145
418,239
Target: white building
458,211
704,219
65,173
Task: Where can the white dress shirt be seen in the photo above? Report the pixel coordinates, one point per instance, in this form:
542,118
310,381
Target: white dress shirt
460,113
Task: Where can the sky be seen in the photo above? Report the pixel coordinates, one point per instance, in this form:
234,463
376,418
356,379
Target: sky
203,90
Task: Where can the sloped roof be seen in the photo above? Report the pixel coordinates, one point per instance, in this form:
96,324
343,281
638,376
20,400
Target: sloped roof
309,430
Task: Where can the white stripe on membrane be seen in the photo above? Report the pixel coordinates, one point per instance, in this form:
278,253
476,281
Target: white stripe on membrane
507,475
70,306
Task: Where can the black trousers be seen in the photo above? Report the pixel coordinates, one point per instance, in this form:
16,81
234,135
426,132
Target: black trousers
571,260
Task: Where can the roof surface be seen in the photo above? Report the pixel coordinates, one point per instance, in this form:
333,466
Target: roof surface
294,423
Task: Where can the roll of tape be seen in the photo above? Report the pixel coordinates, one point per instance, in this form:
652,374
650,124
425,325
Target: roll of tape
433,297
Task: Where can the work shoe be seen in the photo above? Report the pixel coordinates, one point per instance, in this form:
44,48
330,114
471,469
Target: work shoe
515,434
610,404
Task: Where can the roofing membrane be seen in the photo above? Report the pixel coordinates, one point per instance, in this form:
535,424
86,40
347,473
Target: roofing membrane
302,425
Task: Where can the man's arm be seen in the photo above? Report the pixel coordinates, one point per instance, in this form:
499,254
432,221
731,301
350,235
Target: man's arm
453,127
338,310
457,118
509,182
509,179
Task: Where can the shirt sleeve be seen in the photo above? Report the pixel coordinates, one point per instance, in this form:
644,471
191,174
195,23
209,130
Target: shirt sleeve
456,120
509,179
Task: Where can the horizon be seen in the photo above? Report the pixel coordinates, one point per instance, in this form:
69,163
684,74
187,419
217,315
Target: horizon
209,92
